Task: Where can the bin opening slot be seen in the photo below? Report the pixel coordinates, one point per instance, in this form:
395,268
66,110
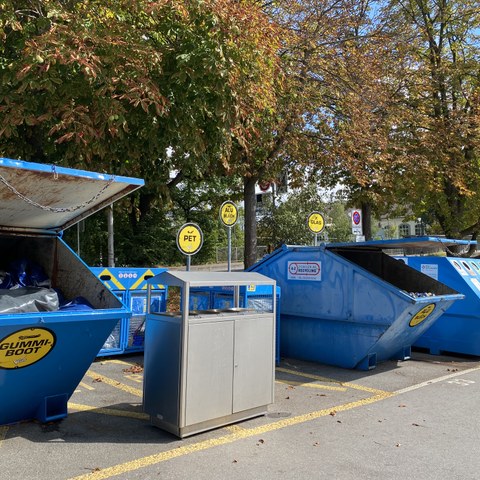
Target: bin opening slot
393,271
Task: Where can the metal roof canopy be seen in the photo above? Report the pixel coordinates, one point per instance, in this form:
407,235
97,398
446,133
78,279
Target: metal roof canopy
410,242
211,279
45,198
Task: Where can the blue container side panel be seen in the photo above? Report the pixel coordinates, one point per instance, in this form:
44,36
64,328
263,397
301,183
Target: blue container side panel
41,390
458,329
130,285
135,333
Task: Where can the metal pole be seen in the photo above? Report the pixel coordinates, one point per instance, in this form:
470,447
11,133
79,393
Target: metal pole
229,254
111,253
188,263
315,241
78,238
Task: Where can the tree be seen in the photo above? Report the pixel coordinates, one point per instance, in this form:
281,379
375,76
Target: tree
134,87
286,223
439,133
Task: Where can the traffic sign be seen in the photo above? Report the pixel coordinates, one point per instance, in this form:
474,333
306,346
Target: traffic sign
357,222
316,222
189,239
228,214
356,218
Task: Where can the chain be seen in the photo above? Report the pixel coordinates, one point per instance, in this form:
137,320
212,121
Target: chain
457,254
55,209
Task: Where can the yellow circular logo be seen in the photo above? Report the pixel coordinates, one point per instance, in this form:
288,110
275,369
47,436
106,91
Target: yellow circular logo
189,239
25,347
422,315
315,222
228,214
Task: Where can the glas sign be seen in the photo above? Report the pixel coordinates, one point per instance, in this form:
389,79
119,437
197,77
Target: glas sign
316,222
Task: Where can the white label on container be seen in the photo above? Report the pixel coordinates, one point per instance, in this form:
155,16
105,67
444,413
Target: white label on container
429,269
305,271
476,283
457,265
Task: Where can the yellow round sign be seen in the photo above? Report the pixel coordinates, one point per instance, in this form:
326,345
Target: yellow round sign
189,239
228,214
315,222
422,315
25,347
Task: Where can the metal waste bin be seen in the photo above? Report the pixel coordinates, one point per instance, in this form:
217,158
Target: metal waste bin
458,329
47,344
207,368
129,284
351,305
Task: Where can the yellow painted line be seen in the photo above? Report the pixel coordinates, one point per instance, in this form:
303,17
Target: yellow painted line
119,362
108,411
135,377
3,434
234,428
312,385
114,383
355,386
238,434
86,385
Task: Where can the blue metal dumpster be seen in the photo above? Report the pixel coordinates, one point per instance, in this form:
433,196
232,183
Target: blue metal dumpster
458,329
129,284
46,347
351,305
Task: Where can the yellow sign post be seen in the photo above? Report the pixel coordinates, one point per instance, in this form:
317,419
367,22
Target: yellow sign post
229,217
189,240
316,223
228,214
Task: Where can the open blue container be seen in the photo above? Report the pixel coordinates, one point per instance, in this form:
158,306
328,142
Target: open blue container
45,354
351,305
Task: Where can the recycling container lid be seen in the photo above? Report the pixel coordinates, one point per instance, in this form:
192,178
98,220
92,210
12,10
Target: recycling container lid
42,198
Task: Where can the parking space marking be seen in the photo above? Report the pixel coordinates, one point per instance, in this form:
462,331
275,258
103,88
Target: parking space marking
311,385
135,377
238,434
355,386
3,434
108,411
85,385
114,383
437,380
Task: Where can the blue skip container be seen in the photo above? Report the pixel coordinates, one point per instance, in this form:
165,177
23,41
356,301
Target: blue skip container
59,316
129,284
458,329
351,305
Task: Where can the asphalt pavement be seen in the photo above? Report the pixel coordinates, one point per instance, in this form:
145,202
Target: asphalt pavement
402,420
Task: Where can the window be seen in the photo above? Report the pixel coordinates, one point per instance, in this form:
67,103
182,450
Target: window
404,230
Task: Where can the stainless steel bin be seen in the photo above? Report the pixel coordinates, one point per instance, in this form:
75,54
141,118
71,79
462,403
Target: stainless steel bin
208,368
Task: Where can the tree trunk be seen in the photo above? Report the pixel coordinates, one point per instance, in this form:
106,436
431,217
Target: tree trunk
250,203
367,220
